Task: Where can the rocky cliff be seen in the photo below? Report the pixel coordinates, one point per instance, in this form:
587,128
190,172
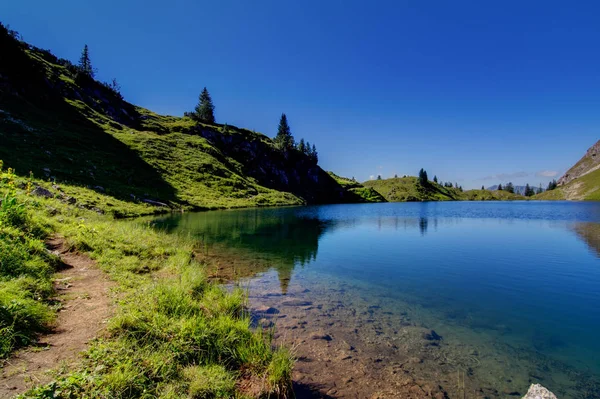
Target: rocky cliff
589,163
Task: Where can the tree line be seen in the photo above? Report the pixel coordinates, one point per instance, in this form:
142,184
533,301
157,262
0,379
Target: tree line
204,111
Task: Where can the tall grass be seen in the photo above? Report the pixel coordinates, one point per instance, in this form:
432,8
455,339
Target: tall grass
174,334
25,270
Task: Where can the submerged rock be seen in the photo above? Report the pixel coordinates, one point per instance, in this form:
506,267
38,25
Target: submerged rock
296,302
536,391
432,336
267,310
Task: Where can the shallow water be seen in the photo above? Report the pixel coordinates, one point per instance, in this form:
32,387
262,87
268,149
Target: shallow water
517,283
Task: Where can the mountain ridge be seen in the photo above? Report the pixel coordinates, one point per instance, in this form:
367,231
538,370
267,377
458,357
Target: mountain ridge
68,127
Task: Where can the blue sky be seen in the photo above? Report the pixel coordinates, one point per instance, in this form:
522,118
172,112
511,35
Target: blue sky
474,92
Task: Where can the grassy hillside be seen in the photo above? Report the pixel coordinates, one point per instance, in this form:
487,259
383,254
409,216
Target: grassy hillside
408,189
176,336
586,187
69,128
490,195
362,193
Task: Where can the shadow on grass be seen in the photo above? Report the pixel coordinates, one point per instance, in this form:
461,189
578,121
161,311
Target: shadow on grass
56,142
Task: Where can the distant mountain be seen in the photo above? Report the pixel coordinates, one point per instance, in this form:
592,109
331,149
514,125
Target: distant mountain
580,182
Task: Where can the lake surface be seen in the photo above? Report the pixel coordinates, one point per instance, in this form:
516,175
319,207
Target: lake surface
512,287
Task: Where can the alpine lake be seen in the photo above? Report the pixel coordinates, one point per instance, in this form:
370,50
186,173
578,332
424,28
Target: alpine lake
434,299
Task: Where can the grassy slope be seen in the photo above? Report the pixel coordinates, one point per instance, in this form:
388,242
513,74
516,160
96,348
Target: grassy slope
490,195
174,335
74,130
362,193
586,187
407,189
156,159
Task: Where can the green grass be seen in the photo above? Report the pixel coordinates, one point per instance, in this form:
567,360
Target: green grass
586,187
360,192
490,195
25,271
77,132
174,333
408,189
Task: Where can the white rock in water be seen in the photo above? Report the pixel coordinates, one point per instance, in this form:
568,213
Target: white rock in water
536,391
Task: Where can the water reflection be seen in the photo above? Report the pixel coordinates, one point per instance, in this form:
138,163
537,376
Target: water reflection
590,234
252,241
242,243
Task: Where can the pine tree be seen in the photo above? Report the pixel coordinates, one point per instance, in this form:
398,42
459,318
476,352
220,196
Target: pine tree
314,155
529,191
302,147
435,179
552,185
85,64
483,188
510,188
284,139
500,187
423,180
540,189
378,177
205,110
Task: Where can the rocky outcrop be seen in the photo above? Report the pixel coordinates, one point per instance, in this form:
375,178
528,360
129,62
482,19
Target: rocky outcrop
536,391
283,171
589,163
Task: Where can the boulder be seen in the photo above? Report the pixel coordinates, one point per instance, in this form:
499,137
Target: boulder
42,192
536,391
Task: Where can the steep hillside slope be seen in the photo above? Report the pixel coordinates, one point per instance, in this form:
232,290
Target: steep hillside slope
587,164
72,129
408,189
580,182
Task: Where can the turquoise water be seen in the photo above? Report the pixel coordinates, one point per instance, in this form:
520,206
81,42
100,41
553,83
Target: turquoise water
523,274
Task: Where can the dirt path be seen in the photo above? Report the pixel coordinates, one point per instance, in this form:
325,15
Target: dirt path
83,291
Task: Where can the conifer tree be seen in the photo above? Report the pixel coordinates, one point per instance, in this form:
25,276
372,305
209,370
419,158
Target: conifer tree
500,187
529,190
205,110
510,188
85,64
314,155
483,188
423,180
284,139
435,179
302,146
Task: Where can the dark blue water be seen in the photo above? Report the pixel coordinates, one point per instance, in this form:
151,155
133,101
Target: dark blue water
526,274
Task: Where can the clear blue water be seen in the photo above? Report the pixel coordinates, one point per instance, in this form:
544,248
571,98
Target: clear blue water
526,274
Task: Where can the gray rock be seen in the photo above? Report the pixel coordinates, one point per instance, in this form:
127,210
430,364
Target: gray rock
155,203
267,310
536,391
296,302
42,192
